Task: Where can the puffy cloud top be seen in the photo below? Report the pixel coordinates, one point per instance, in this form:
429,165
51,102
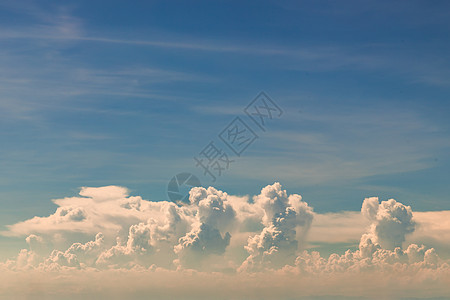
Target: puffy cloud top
284,216
391,222
106,229
105,193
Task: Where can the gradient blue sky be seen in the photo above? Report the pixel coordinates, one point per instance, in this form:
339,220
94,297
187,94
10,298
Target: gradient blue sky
95,93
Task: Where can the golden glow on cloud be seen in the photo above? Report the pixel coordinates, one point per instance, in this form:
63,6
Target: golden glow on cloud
113,242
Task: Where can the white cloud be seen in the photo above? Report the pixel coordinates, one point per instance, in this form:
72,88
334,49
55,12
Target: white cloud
342,227
214,215
106,193
226,243
284,217
391,222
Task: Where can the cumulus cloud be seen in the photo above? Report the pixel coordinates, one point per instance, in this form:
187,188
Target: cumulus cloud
391,222
265,238
284,216
106,193
214,214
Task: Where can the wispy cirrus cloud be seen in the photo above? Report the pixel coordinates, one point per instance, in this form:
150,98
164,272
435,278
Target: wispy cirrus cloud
303,57
63,27
336,147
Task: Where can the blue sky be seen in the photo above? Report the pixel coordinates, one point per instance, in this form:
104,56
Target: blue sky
95,94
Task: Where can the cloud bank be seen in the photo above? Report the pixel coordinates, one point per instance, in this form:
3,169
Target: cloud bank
107,243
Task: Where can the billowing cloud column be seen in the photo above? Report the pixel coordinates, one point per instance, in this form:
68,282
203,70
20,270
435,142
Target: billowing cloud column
285,218
391,222
213,217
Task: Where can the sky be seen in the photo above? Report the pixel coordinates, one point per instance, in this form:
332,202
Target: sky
111,101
